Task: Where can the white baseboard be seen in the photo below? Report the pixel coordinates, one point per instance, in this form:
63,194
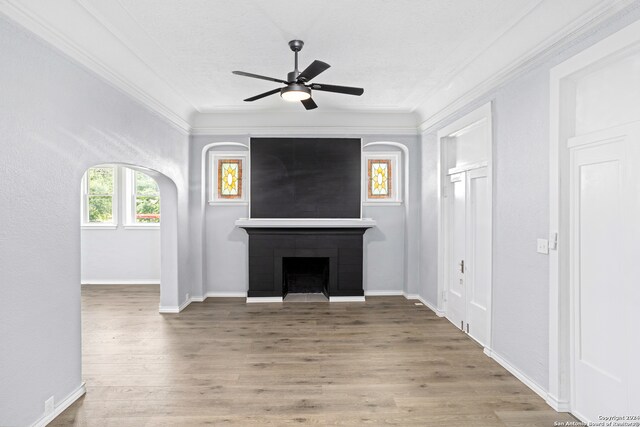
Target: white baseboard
120,282
226,294
172,309
168,309
251,300
60,407
426,303
219,294
346,299
558,405
184,305
517,373
383,293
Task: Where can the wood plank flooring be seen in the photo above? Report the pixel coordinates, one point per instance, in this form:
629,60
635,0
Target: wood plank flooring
224,362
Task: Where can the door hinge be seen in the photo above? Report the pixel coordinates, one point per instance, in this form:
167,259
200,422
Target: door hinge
462,325
467,328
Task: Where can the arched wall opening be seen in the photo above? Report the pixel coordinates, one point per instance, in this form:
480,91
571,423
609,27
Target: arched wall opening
168,277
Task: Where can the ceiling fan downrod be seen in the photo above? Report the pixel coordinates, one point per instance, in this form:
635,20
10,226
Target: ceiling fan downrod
295,46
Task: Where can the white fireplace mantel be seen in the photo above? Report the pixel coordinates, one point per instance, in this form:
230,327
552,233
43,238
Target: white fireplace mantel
305,223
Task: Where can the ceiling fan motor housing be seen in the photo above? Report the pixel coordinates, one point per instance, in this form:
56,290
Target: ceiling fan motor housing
293,76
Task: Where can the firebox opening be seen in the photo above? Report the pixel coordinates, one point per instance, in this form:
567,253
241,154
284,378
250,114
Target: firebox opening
302,275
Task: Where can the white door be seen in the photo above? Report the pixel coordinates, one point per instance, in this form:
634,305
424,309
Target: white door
604,273
469,253
478,271
456,297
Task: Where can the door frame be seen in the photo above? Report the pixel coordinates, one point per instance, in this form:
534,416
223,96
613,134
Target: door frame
562,128
481,115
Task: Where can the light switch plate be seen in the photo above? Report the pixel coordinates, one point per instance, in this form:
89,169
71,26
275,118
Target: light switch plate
543,246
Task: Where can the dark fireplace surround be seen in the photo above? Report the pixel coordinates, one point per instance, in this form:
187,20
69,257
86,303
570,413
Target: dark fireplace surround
271,248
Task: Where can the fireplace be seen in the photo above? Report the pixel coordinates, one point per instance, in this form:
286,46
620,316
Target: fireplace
305,231
305,275
305,255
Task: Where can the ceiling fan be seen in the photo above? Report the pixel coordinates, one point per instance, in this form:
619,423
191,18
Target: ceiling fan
297,84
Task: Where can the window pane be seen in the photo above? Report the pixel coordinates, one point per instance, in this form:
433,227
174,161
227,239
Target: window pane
100,208
229,179
148,209
380,179
145,185
101,181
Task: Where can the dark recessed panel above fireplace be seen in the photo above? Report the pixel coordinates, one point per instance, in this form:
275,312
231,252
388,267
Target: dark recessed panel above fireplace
305,177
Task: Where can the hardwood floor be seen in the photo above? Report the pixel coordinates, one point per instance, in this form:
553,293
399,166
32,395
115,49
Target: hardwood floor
224,362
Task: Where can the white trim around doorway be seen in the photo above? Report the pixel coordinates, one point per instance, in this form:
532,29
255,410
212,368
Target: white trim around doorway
562,114
482,115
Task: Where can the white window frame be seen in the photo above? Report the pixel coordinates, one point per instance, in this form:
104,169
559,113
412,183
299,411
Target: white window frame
214,156
85,201
396,180
130,202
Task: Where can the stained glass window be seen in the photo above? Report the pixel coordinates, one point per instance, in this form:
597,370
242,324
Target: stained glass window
379,178
229,178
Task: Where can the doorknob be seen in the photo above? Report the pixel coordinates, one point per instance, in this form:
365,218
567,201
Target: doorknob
462,266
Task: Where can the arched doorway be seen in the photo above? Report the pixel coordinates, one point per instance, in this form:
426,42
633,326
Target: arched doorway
132,196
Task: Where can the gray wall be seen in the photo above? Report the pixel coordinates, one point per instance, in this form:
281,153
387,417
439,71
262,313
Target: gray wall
224,259
120,256
520,207
57,120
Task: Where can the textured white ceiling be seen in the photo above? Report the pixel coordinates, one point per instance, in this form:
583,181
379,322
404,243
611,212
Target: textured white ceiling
396,50
421,59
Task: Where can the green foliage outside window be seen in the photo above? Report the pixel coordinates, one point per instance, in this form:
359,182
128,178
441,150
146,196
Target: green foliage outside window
100,194
101,186
147,199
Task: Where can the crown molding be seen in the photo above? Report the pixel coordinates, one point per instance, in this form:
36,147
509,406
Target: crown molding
170,105
167,107
432,113
304,122
124,39
417,98
303,130
239,109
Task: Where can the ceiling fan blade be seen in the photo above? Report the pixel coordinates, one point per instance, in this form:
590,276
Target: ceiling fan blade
338,89
262,95
313,70
257,76
309,104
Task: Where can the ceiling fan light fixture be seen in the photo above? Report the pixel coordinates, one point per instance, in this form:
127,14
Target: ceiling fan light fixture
298,84
295,92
